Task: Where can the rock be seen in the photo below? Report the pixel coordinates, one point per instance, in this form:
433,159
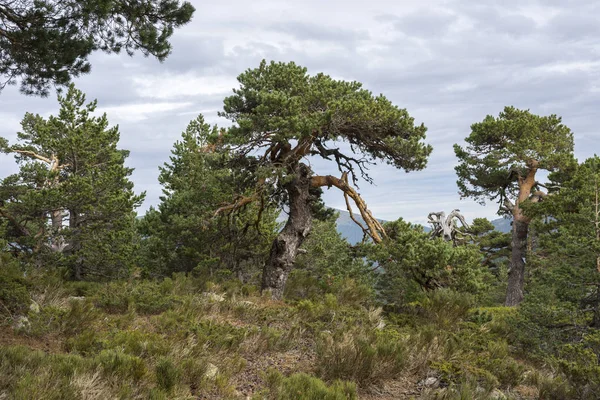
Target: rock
215,297
497,395
22,322
431,382
211,371
34,307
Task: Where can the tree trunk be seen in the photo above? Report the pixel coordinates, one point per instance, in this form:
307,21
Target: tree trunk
57,243
285,246
516,275
77,266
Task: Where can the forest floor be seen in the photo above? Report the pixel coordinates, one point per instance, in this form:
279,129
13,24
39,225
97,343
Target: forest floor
180,339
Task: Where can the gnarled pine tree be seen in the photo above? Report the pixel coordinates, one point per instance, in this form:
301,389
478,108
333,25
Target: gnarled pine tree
500,163
281,116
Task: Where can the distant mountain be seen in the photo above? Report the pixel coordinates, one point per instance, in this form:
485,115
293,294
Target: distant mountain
348,228
503,225
353,234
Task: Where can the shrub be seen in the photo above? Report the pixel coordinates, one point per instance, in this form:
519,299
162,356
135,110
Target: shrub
79,317
152,297
14,296
360,355
306,387
446,307
86,343
113,297
121,365
147,297
138,343
166,374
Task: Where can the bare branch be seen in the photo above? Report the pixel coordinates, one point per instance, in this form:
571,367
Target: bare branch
33,154
375,229
240,202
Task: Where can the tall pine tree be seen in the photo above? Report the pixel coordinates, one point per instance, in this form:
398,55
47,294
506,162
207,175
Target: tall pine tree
501,162
72,196
184,234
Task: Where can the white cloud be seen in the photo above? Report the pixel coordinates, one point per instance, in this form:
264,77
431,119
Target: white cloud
139,111
169,86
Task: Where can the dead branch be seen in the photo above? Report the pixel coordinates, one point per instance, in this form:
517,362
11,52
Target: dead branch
375,229
34,155
240,202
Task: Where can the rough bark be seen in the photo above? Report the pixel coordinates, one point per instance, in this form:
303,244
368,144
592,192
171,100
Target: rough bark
285,246
516,274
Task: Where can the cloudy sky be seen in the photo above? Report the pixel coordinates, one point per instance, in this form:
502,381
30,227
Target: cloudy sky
449,63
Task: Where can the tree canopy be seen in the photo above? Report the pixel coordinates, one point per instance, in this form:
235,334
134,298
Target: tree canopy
72,197
182,233
500,163
47,42
281,116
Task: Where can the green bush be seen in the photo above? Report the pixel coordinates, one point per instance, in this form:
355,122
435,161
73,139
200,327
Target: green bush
121,365
446,307
306,387
139,343
146,297
113,297
14,295
167,374
80,316
151,297
363,356
86,343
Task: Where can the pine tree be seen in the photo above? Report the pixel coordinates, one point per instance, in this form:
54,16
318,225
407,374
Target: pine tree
284,115
500,163
183,233
47,42
569,227
72,195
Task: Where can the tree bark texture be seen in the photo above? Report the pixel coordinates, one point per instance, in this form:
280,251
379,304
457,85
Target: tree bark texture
285,246
516,275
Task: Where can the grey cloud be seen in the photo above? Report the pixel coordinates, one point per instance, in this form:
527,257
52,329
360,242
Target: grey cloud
425,23
569,25
311,31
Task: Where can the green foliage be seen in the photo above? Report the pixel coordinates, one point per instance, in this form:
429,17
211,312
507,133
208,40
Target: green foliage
72,173
410,262
117,364
330,265
147,297
14,295
47,42
183,235
167,375
303,386
501,150
494,244
445,307
76,317
283,98
363,356
569,242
